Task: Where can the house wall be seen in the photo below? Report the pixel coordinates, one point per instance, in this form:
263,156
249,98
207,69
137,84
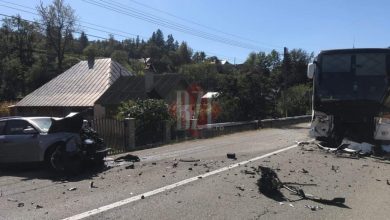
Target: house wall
99,111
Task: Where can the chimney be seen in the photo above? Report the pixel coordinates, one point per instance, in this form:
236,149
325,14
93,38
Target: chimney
149,81
91,61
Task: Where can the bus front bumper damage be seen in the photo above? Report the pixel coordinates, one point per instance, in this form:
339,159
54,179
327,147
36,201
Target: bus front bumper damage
325,128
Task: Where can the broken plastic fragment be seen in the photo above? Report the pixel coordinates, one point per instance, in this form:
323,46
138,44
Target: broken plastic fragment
231,156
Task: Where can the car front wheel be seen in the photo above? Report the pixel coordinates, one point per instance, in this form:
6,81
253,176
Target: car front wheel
56,159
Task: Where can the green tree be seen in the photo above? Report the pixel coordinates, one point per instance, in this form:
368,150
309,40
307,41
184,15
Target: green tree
185,53
58,22
91,51
83,42
199,57
120,56
170,43
296,101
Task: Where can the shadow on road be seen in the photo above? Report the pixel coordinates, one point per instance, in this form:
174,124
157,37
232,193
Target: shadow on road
271,193
31,171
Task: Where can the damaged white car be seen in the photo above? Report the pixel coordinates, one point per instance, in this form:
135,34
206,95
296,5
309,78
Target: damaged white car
64,144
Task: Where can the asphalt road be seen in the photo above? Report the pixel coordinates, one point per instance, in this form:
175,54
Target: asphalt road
221,193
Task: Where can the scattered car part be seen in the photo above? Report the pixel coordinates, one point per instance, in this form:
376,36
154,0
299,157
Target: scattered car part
270,182
130,166
231,156
190,160
313,207
128,157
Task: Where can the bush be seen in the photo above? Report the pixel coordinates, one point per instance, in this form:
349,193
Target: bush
4,110
148,111
297,101
150,115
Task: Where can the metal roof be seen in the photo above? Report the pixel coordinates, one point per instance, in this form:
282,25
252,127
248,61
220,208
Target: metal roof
79,86
125,88
131,88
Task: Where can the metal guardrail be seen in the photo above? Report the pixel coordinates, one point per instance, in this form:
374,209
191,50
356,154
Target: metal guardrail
278,122
212,130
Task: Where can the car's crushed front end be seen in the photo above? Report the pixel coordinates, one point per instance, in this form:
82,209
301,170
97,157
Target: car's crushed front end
82,144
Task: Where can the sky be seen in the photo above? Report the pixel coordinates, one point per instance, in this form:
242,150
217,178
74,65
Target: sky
232,29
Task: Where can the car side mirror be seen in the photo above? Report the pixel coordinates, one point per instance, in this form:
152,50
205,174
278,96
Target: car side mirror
30,130
311,68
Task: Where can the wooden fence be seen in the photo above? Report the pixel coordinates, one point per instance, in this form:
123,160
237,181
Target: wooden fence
113,133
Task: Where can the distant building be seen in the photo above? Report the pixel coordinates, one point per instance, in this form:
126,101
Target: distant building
101,85
76,89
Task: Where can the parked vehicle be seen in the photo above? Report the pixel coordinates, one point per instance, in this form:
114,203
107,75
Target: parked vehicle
351,95
64,144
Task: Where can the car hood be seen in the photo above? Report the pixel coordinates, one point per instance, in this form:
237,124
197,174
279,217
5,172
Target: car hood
71,124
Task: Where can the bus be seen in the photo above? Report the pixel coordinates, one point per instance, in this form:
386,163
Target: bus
351,95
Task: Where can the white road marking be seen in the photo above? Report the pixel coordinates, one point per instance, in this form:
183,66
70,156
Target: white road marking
169,187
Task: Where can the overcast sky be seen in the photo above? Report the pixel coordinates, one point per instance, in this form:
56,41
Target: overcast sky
232,29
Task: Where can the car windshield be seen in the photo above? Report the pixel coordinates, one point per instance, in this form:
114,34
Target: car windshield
352,77
43,123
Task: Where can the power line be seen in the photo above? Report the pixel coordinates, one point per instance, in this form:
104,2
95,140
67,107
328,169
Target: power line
147,6
201,25
104,38
122,9
229,43
115,34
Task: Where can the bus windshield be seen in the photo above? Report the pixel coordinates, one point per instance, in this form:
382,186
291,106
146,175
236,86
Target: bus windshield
360,76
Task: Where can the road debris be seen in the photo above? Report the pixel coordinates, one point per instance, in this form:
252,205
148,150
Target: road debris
190,160
91,185
335,168
128,157
130,166
72,189
363,148
231,156
240,188
313,207
270,184
174,165
304,170
248,172
301,143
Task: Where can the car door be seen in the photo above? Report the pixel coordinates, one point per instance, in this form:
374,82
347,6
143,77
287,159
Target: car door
18,146
2,139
